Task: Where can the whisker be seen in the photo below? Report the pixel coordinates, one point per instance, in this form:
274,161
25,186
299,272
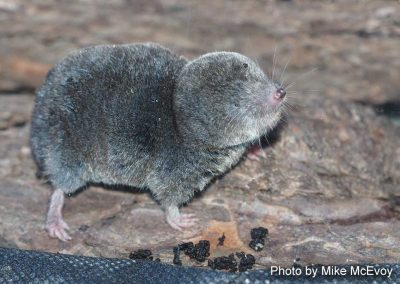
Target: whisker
295,101
284,69
287,106
273,65
239,116
265,136
300,77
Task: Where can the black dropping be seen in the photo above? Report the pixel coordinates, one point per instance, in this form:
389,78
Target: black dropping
258,238
246,261
240,255
221,240
141,254
224,263
257,244
199,252
185,246
297,265
259,233
177,254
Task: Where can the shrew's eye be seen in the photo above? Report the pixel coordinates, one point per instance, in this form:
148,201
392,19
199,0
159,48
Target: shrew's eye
245,65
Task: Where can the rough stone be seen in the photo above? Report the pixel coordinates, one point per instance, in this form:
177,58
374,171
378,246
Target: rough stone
328,188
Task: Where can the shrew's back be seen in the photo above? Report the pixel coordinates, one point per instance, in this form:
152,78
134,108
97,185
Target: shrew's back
101,104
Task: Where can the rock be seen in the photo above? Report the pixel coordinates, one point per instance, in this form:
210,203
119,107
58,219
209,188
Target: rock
385,12
308,35
328,187
15,111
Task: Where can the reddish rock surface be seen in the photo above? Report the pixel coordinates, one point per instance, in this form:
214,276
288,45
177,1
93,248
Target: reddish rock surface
328,189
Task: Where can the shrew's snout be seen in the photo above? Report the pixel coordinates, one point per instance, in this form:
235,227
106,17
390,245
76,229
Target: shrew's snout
279,94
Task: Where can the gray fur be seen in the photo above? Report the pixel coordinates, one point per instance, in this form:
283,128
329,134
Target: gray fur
138,115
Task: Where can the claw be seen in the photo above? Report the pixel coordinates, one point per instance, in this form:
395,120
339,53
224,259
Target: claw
57,230
179,221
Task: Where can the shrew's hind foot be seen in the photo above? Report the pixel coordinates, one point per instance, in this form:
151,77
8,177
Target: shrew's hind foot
57,230
178,220
55,225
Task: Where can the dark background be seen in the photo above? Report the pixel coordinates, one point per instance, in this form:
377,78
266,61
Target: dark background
328,189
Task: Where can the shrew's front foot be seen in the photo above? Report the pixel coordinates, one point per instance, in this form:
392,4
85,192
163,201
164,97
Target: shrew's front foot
255,153
178,220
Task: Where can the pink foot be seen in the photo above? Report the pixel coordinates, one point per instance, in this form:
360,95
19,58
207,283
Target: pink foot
255,153
55,224
57,230
179,221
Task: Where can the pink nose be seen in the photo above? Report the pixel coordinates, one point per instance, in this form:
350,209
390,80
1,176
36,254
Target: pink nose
280,94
